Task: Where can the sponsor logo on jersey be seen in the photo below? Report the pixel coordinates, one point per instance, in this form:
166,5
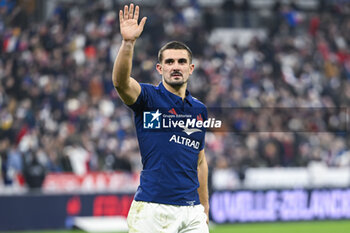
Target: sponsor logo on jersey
185,141
172,111
151,120
188,123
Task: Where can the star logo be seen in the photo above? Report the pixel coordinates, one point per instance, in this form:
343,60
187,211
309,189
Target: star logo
156,115
151,120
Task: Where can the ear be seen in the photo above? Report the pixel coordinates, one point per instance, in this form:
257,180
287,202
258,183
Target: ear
159,68
191,68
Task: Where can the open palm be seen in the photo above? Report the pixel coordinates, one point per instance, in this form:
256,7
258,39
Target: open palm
129,27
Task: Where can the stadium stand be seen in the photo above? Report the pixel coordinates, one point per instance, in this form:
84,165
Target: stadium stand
58,105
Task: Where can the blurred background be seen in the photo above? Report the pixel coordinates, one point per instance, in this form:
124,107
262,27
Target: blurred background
68,145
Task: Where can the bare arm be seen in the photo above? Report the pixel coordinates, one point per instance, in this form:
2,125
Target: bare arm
203,182
128,88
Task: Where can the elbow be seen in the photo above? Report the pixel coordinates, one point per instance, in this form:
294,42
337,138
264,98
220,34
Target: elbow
116,85
119,83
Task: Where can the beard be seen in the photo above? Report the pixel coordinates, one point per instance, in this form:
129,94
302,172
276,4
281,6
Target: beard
175,83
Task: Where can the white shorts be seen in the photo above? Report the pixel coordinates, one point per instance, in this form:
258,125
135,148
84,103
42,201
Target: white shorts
147,217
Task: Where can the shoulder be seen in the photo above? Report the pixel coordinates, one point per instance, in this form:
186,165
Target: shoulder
149,88
197,103
200,107
146,98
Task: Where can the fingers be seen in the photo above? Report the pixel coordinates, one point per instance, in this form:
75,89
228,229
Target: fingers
131,11
130,14
126,16
142,23
121,19
136,15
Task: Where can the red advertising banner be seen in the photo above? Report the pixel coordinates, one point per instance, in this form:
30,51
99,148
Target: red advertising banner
95,181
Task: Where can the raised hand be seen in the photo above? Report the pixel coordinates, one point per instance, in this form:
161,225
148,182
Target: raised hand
129,27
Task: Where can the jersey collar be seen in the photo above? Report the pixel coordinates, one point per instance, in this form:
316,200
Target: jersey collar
177,99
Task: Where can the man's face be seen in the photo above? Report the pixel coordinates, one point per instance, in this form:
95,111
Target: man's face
175,67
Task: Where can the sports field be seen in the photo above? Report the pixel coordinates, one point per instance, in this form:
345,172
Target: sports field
291,227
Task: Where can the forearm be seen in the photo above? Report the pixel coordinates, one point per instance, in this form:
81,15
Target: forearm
123,64
203,185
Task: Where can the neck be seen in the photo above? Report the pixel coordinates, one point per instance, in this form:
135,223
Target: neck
176,90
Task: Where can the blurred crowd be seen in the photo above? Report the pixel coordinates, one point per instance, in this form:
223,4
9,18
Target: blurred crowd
59,111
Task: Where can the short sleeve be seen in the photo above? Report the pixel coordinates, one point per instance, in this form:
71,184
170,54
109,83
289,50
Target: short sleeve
143,99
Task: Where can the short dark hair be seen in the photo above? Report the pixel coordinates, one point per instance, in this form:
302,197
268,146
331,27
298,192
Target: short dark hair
174,45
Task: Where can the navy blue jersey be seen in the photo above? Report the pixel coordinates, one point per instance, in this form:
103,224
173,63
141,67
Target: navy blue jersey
170,141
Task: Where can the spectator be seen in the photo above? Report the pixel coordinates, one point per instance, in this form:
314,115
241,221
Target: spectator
229,9
55,82
34,172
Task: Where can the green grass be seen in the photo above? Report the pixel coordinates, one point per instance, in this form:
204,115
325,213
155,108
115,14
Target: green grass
290,227
42,231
